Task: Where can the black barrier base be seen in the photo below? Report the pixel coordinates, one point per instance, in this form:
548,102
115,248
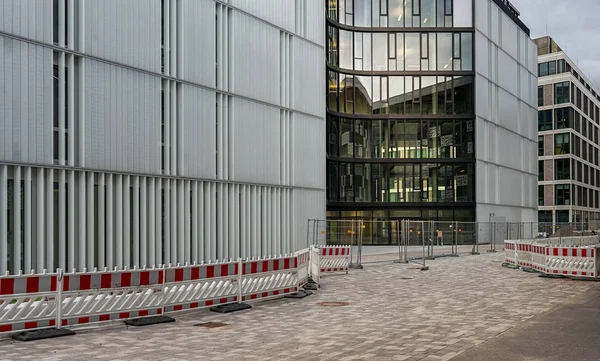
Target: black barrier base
311,286
356,266
543,275
299,294
42,334
230,307
475,253
400,261
147,321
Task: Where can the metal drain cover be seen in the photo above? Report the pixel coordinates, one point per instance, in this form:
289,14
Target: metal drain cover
332,303
210,324
406,278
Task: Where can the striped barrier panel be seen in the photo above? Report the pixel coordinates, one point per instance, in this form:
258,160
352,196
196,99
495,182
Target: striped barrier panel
303,266
200,286
28,302
109,296
510,254
538,257
269,278
335,259
524,256
572,261
314,268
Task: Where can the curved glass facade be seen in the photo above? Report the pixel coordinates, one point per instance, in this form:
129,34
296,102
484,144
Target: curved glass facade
400,109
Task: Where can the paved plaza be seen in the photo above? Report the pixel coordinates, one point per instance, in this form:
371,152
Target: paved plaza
394,312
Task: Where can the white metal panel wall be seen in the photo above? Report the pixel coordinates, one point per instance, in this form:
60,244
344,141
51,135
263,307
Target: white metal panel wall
127,32
122,130
309,73
307,204
25,102
256,147
277,12
253,60
198,29
28,18
309,147
199,141
315,26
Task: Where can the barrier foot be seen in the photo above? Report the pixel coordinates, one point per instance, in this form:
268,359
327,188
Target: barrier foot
230,307
491,251
545,275
430,258
299,294
311,286
42,334
147,321
475,253
400,261
426,268
356,266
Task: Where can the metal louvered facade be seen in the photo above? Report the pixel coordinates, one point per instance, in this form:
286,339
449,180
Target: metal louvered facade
142,132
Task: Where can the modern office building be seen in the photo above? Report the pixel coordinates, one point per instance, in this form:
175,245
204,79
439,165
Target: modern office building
569,113
167,131
430,111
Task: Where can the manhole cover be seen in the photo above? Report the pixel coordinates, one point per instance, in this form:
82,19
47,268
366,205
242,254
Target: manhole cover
211,324
332,303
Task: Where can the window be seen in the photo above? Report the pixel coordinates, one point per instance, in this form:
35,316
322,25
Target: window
561,93
552,68
561,143
540,145
544,120
543,69
561,66
540,170
563,194
540,96
562,169
540,195
563,118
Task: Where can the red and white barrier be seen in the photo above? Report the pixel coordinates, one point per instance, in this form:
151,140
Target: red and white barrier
303,266
510,252
335,259
573,261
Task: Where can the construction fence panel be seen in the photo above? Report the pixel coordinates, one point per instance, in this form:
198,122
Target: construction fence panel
334,259
380,240
28,302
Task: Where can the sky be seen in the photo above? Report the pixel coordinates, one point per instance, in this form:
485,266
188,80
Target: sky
573,24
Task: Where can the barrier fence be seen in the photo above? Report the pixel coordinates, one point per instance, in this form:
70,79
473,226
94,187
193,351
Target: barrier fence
40,301
569,256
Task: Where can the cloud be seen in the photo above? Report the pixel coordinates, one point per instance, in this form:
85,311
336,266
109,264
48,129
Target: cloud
572,24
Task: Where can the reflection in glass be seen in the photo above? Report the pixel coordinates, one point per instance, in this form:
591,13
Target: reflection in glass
400,51
363,99
380,51
412,52
362,13
444,42
396,95
467,51
463,95
396,13
345,49
428,13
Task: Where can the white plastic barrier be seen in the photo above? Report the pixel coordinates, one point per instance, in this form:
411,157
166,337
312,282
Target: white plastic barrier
335,259
314,267
510,252
303,266
573,261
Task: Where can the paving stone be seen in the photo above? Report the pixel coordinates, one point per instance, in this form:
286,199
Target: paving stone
436,315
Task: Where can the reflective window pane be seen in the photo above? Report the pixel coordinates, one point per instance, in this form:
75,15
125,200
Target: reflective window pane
444,44
412,52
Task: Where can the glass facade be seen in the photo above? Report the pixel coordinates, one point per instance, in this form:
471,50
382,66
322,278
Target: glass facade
400,104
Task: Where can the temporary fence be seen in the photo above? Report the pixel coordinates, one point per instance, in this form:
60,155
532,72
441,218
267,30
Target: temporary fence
31,302
336,233
568,256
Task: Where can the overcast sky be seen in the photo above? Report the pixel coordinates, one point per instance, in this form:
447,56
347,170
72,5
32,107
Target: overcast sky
573,24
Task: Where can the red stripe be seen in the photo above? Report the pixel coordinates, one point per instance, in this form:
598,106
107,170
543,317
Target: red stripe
161,279
547,251
52,322
29,325
224,270
565,272
143,313
265,266
253,297
555,251
574,252
286,290
236,271
265,294
85,281
295,262
33,285
337,251
276,292
178,274
286,263
195,273
126,279
583,252
144,278
573,272
276,265
159,311
209,302
584,273
210,271
177,307
5,328
7,286
106,280
234,298
104,318
254,267
565,252
124,315
81,320
592,252
194,305
223,300
53,283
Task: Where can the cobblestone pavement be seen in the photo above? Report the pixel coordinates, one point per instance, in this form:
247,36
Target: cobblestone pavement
395,312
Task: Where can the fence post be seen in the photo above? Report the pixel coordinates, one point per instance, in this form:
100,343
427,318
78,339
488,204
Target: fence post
59,290
240,273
